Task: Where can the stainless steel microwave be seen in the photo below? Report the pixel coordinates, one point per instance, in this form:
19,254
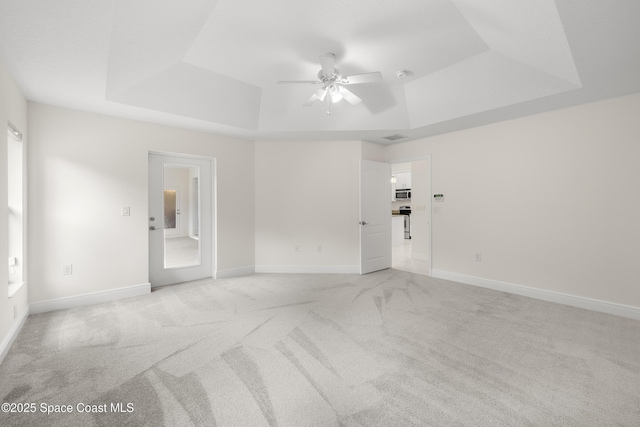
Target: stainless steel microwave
403,194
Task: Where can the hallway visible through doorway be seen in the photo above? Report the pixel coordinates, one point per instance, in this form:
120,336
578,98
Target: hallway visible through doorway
401,259
413,178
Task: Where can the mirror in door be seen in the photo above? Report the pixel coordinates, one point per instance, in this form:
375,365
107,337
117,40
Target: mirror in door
181,216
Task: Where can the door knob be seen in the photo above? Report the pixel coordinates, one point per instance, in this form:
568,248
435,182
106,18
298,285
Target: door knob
363,223
152,228
152,219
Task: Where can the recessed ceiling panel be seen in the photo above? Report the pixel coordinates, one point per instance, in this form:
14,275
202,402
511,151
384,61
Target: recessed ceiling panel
287,36
190,91
529,32
214,64
419,36
485,82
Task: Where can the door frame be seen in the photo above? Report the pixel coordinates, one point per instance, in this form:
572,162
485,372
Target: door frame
214,204
429,200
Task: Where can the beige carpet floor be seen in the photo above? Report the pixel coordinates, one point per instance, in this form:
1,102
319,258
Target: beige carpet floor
385,349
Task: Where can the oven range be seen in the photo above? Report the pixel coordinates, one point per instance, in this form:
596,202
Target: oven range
406,211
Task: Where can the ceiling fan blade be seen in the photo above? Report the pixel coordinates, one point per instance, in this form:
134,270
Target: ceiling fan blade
328,62
310,101
376,76
321,94
288,82
349,96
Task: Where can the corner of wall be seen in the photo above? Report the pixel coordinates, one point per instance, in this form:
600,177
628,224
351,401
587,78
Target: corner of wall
15,310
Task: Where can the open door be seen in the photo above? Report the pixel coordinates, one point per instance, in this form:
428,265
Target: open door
375,216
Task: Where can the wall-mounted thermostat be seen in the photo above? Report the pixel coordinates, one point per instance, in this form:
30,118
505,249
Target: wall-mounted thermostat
438,197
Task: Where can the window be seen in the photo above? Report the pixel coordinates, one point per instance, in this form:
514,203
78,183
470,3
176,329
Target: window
15,203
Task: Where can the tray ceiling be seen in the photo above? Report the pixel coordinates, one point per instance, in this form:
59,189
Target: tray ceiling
213,65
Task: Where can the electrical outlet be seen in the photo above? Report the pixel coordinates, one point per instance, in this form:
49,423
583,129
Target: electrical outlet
296,248
12,261
67,270
319,248
478,256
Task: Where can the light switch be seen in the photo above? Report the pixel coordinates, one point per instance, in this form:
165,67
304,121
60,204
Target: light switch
126,211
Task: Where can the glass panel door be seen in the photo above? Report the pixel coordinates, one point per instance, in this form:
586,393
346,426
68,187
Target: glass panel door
180,248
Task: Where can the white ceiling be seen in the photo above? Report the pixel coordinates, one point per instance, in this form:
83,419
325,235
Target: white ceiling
213,65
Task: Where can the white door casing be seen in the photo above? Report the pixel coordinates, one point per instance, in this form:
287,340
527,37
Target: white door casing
159,274
375,216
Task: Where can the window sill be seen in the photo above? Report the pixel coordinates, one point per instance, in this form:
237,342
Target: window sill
14,288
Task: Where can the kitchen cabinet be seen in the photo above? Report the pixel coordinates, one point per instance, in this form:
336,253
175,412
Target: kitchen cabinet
403,180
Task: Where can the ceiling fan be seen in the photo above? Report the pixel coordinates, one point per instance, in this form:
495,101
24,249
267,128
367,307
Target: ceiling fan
333,83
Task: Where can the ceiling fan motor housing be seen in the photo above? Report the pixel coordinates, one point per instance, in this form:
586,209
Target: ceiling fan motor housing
335,77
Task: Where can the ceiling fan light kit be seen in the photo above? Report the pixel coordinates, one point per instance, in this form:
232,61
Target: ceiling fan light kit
333,83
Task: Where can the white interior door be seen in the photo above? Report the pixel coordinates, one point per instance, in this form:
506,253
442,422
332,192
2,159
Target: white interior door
375,216
175,259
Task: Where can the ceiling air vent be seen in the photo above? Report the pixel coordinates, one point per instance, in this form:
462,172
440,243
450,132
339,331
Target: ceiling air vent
395,137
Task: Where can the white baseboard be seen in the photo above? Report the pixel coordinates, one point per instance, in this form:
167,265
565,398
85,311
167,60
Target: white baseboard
309,269
89,299
541,294
7,342
235,272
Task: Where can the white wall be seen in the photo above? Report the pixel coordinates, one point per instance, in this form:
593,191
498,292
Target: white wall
551,201
13,106
307,195
371,151
84,167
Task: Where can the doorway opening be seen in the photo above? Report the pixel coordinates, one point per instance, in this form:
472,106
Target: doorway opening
411,247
